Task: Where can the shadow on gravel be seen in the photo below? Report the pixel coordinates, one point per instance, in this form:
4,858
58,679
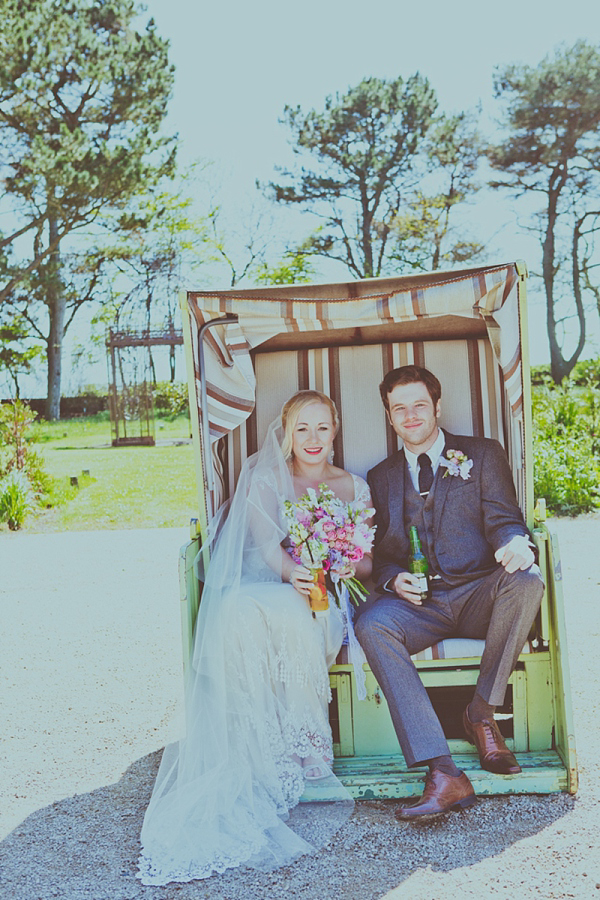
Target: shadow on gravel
86,847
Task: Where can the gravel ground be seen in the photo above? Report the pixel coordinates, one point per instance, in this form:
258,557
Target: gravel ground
91,691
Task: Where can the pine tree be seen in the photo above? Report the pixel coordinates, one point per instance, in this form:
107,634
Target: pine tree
83,97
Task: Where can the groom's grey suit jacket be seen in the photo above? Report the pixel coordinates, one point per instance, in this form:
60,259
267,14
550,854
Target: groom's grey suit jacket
468,520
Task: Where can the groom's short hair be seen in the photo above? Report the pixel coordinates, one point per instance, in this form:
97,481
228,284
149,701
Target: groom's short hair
410,375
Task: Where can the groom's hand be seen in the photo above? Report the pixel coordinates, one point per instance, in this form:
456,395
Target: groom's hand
406,586
517,554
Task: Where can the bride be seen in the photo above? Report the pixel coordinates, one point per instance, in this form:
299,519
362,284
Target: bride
257,730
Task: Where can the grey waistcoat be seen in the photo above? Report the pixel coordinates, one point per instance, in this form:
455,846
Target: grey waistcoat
419,511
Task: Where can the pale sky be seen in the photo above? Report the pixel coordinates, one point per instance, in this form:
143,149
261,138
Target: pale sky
239,64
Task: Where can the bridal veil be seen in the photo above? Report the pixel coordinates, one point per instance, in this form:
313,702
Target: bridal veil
229,792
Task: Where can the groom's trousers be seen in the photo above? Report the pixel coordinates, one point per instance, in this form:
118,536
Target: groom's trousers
499,608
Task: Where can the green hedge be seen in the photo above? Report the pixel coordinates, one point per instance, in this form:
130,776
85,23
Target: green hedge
566,443
585,373
24,483
170,397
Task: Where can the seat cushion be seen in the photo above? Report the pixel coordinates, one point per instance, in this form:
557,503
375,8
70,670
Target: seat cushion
451,648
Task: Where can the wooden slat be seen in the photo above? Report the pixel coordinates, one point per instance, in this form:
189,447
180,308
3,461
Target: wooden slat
189,595
451,664
386,777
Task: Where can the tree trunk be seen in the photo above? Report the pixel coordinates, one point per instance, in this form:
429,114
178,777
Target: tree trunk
577,293
15,378
56,302
172,362
437,252
366,241
152,367
559,366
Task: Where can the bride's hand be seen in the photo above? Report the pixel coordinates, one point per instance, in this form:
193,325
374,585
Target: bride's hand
347,571
302,580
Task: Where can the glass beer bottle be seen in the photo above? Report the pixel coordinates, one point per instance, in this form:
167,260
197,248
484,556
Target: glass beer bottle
417,563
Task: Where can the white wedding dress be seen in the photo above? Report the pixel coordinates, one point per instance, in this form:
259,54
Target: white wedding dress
229,793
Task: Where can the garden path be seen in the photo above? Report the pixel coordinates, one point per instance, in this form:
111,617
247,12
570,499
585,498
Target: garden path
91,690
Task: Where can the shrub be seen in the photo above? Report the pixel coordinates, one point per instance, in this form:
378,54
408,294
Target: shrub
565,447
39,479
556,410
16,499
15,419
587,372
24,480
566,474
540,374
171,397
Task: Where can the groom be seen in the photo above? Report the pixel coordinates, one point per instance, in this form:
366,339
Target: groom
483,582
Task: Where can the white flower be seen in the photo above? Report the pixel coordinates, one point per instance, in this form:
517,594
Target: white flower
457,463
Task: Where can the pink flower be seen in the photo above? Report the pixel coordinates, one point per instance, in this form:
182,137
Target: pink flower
355,554
457,464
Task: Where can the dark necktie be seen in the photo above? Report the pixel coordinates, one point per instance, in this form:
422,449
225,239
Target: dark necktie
425,473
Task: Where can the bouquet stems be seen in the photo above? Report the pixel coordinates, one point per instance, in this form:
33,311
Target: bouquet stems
356,590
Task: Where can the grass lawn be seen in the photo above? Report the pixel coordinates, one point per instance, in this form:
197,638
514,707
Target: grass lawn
129,487
94,431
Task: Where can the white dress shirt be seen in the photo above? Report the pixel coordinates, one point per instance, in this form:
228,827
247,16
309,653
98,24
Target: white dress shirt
434,453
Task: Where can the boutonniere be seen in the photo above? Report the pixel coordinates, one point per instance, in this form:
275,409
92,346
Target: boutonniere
458,463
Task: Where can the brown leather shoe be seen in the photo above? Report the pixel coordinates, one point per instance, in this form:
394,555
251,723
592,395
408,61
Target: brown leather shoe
494,755
442,793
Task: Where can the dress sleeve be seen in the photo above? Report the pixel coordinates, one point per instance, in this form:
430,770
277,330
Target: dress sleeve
362,493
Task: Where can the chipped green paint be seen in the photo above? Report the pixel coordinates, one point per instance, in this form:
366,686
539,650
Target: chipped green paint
380,778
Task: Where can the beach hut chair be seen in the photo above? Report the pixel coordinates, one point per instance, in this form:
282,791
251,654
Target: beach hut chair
248,350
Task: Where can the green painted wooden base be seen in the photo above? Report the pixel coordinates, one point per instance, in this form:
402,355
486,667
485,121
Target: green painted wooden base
386,777
377,778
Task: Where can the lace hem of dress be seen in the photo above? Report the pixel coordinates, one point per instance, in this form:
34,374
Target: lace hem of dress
303,742
151,874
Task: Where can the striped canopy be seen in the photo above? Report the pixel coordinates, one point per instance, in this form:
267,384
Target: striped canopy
433,306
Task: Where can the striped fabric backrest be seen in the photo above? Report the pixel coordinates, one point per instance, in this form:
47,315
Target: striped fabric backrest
473,399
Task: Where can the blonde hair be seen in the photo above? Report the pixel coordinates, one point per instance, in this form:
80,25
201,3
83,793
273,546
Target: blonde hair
291,413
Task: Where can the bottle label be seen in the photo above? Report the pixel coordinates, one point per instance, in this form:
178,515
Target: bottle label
422,584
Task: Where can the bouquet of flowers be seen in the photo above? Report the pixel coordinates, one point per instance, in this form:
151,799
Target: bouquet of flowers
330,534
